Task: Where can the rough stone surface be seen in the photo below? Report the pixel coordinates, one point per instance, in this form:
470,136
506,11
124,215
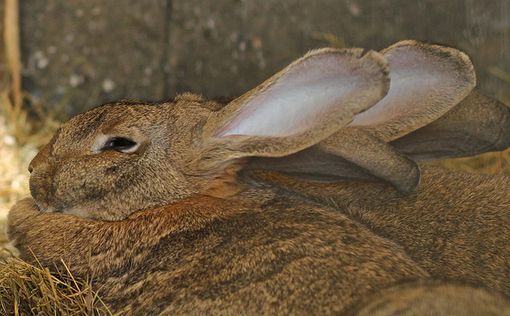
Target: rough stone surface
224,47
85,52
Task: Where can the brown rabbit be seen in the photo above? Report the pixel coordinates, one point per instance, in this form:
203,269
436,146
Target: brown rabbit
169,223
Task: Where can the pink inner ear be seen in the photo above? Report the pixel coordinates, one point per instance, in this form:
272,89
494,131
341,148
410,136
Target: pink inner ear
424,85
307,92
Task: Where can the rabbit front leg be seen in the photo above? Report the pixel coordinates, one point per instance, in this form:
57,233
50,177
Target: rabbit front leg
22,211
47,238
101,248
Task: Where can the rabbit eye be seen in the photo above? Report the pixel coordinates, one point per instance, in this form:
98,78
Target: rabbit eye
120,144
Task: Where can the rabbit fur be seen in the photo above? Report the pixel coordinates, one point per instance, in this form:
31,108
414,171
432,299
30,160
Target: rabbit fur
181,207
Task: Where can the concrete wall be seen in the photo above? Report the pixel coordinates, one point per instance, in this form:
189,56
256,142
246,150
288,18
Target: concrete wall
81,53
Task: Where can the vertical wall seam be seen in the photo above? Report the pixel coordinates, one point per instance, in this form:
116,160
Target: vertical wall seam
165,57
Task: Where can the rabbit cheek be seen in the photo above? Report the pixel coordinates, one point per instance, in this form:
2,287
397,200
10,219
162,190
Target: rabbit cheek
72,182
97,193
41,188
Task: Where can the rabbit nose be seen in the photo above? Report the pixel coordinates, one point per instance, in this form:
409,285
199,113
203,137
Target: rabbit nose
40,159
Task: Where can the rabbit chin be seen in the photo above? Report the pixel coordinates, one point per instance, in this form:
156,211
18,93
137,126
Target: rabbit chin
93,213
45,207
77,211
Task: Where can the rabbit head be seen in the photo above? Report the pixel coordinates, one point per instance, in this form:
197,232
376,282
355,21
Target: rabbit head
121,157
113,157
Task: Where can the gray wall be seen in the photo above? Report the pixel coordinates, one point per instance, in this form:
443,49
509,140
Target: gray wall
81,53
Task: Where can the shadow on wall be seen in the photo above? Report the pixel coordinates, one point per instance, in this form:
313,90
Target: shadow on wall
85,52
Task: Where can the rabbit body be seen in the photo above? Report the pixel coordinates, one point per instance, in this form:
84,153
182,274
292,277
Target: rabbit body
456,225
163,206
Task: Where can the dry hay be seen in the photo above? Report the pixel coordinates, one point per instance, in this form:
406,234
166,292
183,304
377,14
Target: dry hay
13,178
29,290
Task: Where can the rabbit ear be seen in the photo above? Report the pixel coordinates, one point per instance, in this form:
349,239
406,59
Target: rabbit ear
299,106
313,164
426,81
348,154
375,157
476,125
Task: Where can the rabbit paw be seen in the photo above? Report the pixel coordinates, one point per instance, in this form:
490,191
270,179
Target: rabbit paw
21,218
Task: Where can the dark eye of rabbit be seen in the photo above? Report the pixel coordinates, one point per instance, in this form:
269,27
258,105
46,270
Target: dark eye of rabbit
120,144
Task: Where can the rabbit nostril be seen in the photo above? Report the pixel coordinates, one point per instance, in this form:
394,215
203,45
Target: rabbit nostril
30,169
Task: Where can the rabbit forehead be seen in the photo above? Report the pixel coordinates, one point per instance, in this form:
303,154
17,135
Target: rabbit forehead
159,120
85,127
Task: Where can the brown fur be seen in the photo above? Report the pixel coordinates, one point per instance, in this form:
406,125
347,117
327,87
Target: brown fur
259,253
169,228
456,225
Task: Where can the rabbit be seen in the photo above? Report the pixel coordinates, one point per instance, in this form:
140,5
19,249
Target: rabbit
204,242
155,201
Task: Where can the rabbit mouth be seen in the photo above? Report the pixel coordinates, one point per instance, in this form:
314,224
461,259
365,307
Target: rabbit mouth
44,208
77,211
44,204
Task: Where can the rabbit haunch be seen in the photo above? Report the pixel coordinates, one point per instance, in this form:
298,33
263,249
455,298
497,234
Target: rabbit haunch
193,146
